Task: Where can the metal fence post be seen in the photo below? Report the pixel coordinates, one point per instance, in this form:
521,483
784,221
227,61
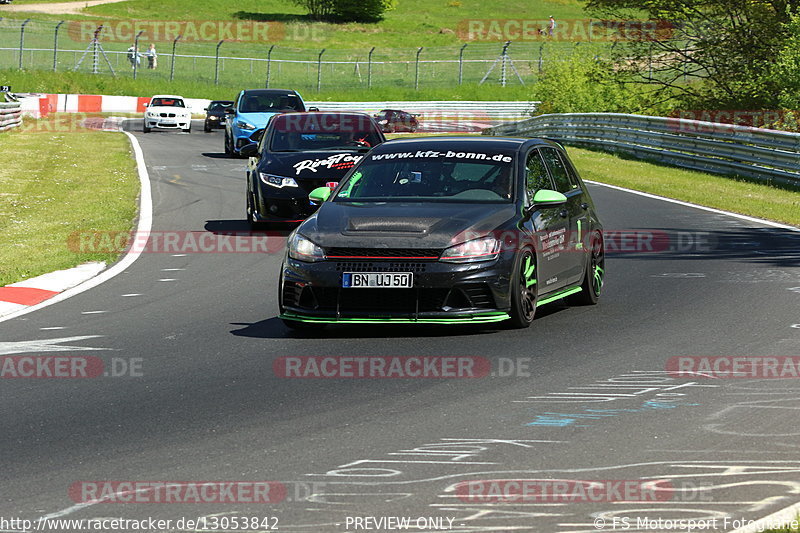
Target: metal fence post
22,40
136,54
461,63
172,63
416,69
319,69
216,64
369,68
269,64
55,46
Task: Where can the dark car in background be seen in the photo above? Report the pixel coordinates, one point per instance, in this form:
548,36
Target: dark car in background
215,114
446,231
397,121
299,152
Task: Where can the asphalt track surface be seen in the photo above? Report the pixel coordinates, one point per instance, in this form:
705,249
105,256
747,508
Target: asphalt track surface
596,403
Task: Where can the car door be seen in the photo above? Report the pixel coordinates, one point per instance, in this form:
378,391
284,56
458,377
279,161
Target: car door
549,226
567,184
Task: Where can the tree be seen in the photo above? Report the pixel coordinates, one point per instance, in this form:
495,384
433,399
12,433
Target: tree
317,9
347,10
720,52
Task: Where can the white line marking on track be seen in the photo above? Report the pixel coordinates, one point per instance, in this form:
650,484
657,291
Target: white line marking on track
171,269
53,327
178,255
168,279
143,228
92,312
131,294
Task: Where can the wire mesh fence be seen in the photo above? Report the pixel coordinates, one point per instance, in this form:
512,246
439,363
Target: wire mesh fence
47,45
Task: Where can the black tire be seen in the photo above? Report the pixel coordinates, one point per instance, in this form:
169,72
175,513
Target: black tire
145,129
206,128
250,214
189,129
594,274
228,150
524,290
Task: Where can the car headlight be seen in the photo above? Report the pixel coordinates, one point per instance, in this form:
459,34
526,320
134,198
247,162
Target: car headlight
149,114
277,181
484,249
384,121
241,124
212,117
303,249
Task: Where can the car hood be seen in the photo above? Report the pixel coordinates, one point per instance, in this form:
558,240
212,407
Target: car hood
169,109
329,164
259,120
403,225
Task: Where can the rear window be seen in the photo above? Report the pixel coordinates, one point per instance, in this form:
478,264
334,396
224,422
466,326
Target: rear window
322,131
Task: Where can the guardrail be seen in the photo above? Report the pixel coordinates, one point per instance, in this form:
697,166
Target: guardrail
490,109
10,115
769,155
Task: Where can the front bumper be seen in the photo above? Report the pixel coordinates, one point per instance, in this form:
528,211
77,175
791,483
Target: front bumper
287,204
443,292
172,123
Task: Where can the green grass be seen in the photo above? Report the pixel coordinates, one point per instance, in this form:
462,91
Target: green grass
79,83
413,22
720,192
52,184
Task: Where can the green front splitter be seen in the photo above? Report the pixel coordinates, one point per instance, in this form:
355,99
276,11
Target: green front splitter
472,319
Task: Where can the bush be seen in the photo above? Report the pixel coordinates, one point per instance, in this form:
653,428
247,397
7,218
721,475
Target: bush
361,10
581,83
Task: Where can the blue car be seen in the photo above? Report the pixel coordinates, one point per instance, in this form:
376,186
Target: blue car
251,112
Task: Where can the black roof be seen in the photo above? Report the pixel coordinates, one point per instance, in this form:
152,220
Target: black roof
221,102
270,91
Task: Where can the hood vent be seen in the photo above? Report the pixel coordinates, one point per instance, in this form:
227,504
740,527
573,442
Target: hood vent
392,224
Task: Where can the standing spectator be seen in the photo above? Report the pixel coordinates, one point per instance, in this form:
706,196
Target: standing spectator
152,57
552,26
134,56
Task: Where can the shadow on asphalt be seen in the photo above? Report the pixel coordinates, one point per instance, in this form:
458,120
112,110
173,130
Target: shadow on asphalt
273,328
218,155
765,246
242,226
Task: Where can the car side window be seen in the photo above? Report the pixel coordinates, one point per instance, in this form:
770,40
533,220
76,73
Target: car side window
558,170
536,174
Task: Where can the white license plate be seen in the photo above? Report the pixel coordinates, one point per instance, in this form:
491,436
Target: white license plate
378,280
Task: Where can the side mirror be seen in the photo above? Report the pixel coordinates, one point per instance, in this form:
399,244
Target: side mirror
313,109
320,194
249,150
146,104
548,198
205,109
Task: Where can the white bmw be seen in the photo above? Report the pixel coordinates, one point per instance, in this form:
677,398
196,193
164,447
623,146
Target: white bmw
168,112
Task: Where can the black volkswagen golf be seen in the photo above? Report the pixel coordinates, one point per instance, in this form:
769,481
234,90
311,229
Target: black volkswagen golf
446,230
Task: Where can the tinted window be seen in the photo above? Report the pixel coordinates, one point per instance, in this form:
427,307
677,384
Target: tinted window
218,106
322,131
267,103
167,102
536,174
557,170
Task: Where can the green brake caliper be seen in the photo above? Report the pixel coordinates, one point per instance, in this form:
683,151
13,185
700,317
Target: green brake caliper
529,268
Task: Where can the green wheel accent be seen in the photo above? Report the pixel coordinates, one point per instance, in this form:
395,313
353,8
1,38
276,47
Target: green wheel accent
579,244
528,274
598,279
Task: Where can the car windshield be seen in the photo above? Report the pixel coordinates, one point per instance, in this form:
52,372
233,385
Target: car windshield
167,102
424,175
302,132
269,103
218,106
